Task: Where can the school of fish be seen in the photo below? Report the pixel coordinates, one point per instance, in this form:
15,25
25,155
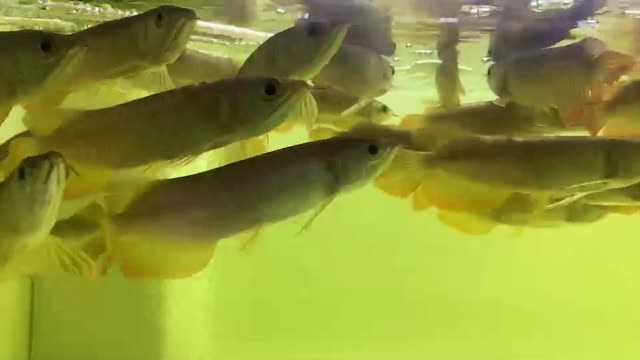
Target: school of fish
93,189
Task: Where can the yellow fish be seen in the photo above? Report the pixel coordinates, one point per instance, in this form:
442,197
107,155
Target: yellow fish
29,201
171,229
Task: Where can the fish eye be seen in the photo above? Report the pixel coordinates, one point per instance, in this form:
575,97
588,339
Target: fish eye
393,71
385,109
22,173
159,20
373,149
489,71
45,45
314,29
271,88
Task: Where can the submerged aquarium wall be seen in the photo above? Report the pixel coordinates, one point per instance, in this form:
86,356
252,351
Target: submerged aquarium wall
319,180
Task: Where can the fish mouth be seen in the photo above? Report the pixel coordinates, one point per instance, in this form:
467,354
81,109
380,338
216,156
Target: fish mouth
56,167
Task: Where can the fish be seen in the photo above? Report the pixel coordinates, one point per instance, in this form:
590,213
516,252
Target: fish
619,114
357,71
333,107
297,53
171,229
523,30
166,129
124,47
195,66
32,62
569,78
438,125
478,174
29,200
371,26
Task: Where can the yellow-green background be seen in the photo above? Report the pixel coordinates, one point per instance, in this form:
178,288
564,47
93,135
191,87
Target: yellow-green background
371,279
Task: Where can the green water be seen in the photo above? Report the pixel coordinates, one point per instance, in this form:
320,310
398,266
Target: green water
371,279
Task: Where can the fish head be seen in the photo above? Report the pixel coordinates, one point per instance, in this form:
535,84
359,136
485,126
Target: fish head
377,112
497,79
162,33
40,179
30,198
29,58
267,102
358,159
299,52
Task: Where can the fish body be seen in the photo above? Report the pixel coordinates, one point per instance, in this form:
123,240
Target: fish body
567,164
357,71
299,52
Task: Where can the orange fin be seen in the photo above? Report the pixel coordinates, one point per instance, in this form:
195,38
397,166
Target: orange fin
144,258
420,200
402,177
470,224
447,192
397,185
